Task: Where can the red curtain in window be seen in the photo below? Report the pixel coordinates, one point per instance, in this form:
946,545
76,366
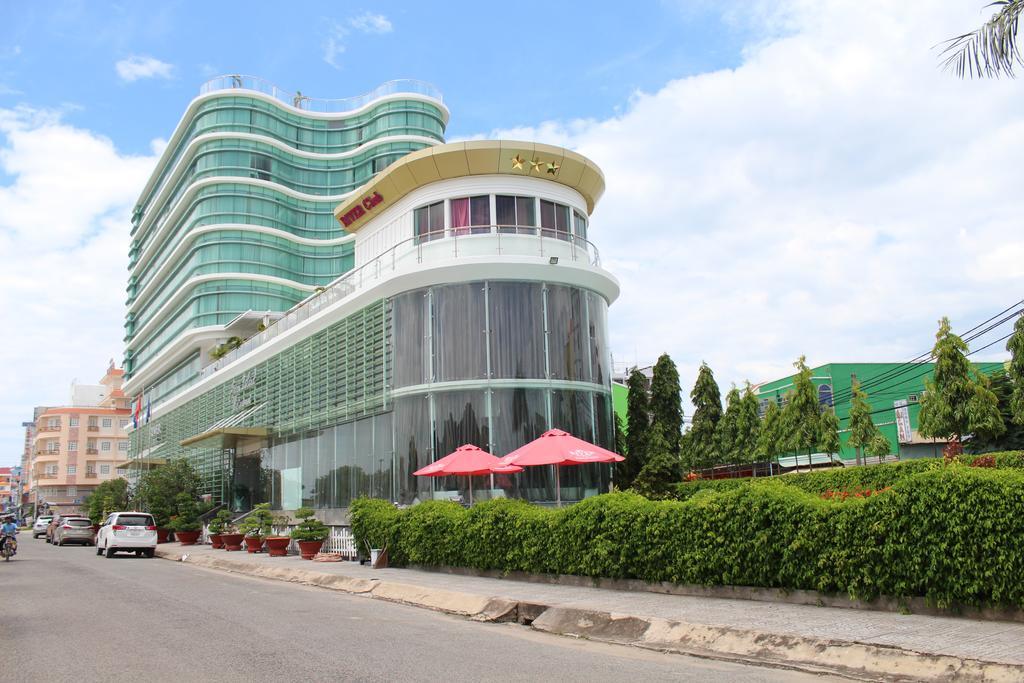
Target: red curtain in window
460,216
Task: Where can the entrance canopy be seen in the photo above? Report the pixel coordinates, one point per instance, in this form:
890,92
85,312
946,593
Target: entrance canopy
224,432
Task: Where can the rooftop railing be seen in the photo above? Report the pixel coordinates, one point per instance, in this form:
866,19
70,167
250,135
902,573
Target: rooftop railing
498,240
299,101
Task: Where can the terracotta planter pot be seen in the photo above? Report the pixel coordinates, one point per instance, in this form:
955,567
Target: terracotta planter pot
187,537
215,541
163,535
308,549
278,545
253,544
232,541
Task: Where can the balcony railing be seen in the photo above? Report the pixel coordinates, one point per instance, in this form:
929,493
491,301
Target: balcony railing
93,428
90,475
48,452
300,101
50,428
91,451
476,242
45,475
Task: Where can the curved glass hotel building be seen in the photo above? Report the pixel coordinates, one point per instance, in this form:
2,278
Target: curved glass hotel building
324,297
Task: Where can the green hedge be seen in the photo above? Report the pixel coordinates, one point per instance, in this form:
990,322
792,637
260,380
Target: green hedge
951,535
848,478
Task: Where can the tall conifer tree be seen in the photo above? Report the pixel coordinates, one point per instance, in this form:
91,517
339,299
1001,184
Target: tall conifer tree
748,427
956,400
666,401
862,427
707,411
638,424
727,431
801,415
770,435
828,433
1015,345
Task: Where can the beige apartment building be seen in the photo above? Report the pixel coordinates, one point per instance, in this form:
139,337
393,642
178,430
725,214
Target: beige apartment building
77,447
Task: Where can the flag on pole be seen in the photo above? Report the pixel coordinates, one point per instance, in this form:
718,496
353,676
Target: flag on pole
147,410
137,412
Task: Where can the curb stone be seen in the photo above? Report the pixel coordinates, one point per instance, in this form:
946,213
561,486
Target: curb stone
851,659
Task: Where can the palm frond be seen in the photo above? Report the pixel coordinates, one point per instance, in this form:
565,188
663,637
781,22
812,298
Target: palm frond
991,51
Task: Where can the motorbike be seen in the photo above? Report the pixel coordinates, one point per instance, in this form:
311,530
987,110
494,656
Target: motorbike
10,547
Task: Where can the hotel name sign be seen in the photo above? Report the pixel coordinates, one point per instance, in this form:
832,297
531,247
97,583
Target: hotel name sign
360,209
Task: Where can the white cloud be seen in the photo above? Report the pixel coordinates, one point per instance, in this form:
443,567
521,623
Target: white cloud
65,214
833,195
367,22
334,44
138,67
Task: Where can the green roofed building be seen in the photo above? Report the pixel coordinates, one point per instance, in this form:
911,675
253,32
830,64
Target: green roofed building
893,391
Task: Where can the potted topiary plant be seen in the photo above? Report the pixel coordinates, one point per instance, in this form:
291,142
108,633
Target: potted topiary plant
230,537
186,524
256,527
217,526
277,546
310,533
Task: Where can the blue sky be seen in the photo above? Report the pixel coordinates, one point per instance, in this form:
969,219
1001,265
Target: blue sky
784,177
499,65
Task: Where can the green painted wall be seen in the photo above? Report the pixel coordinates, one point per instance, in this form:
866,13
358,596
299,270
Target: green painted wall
883,383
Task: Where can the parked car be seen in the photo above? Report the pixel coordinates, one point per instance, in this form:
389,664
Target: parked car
127,532
39,526
52,526
73,530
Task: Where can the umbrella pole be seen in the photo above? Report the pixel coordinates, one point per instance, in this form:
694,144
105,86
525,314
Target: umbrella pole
558,486
470,478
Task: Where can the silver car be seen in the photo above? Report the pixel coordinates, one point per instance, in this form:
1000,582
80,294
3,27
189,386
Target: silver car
74,530
39,527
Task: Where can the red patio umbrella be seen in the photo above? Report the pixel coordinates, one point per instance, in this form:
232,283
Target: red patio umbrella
469,461
555,447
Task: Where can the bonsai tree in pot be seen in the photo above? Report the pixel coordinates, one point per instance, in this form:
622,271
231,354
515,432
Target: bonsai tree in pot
277,546
186,524
229,534
256,527
217,526
310,533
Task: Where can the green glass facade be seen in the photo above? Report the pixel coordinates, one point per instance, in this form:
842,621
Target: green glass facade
246,193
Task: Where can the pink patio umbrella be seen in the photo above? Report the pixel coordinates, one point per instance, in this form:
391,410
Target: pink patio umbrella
555,447
469,461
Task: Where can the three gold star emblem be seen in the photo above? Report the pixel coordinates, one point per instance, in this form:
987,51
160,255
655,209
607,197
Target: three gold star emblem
536,163
517,162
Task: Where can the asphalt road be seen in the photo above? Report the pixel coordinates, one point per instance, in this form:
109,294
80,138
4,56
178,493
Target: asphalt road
68,615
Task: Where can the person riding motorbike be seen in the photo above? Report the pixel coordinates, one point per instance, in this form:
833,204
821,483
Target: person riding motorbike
8,530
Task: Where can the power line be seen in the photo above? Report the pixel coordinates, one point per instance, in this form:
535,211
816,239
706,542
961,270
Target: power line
922,358
987,374
893,373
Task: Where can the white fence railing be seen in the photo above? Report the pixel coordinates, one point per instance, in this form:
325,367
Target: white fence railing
300,101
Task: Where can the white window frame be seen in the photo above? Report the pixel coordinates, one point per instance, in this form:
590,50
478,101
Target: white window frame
104,445
104,469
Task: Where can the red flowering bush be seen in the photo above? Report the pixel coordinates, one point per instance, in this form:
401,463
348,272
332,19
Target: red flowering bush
984,461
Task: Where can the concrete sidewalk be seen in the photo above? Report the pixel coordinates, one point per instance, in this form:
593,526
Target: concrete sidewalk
857,643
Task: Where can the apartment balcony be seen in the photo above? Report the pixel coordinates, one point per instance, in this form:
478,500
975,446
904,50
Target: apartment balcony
91,475
45,475
49,428
92,451
93,428
48,453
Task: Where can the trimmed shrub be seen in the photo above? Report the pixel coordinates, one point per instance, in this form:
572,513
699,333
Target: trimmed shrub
948,534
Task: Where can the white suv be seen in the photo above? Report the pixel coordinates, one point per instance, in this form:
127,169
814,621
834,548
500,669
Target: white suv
127,532
39,527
